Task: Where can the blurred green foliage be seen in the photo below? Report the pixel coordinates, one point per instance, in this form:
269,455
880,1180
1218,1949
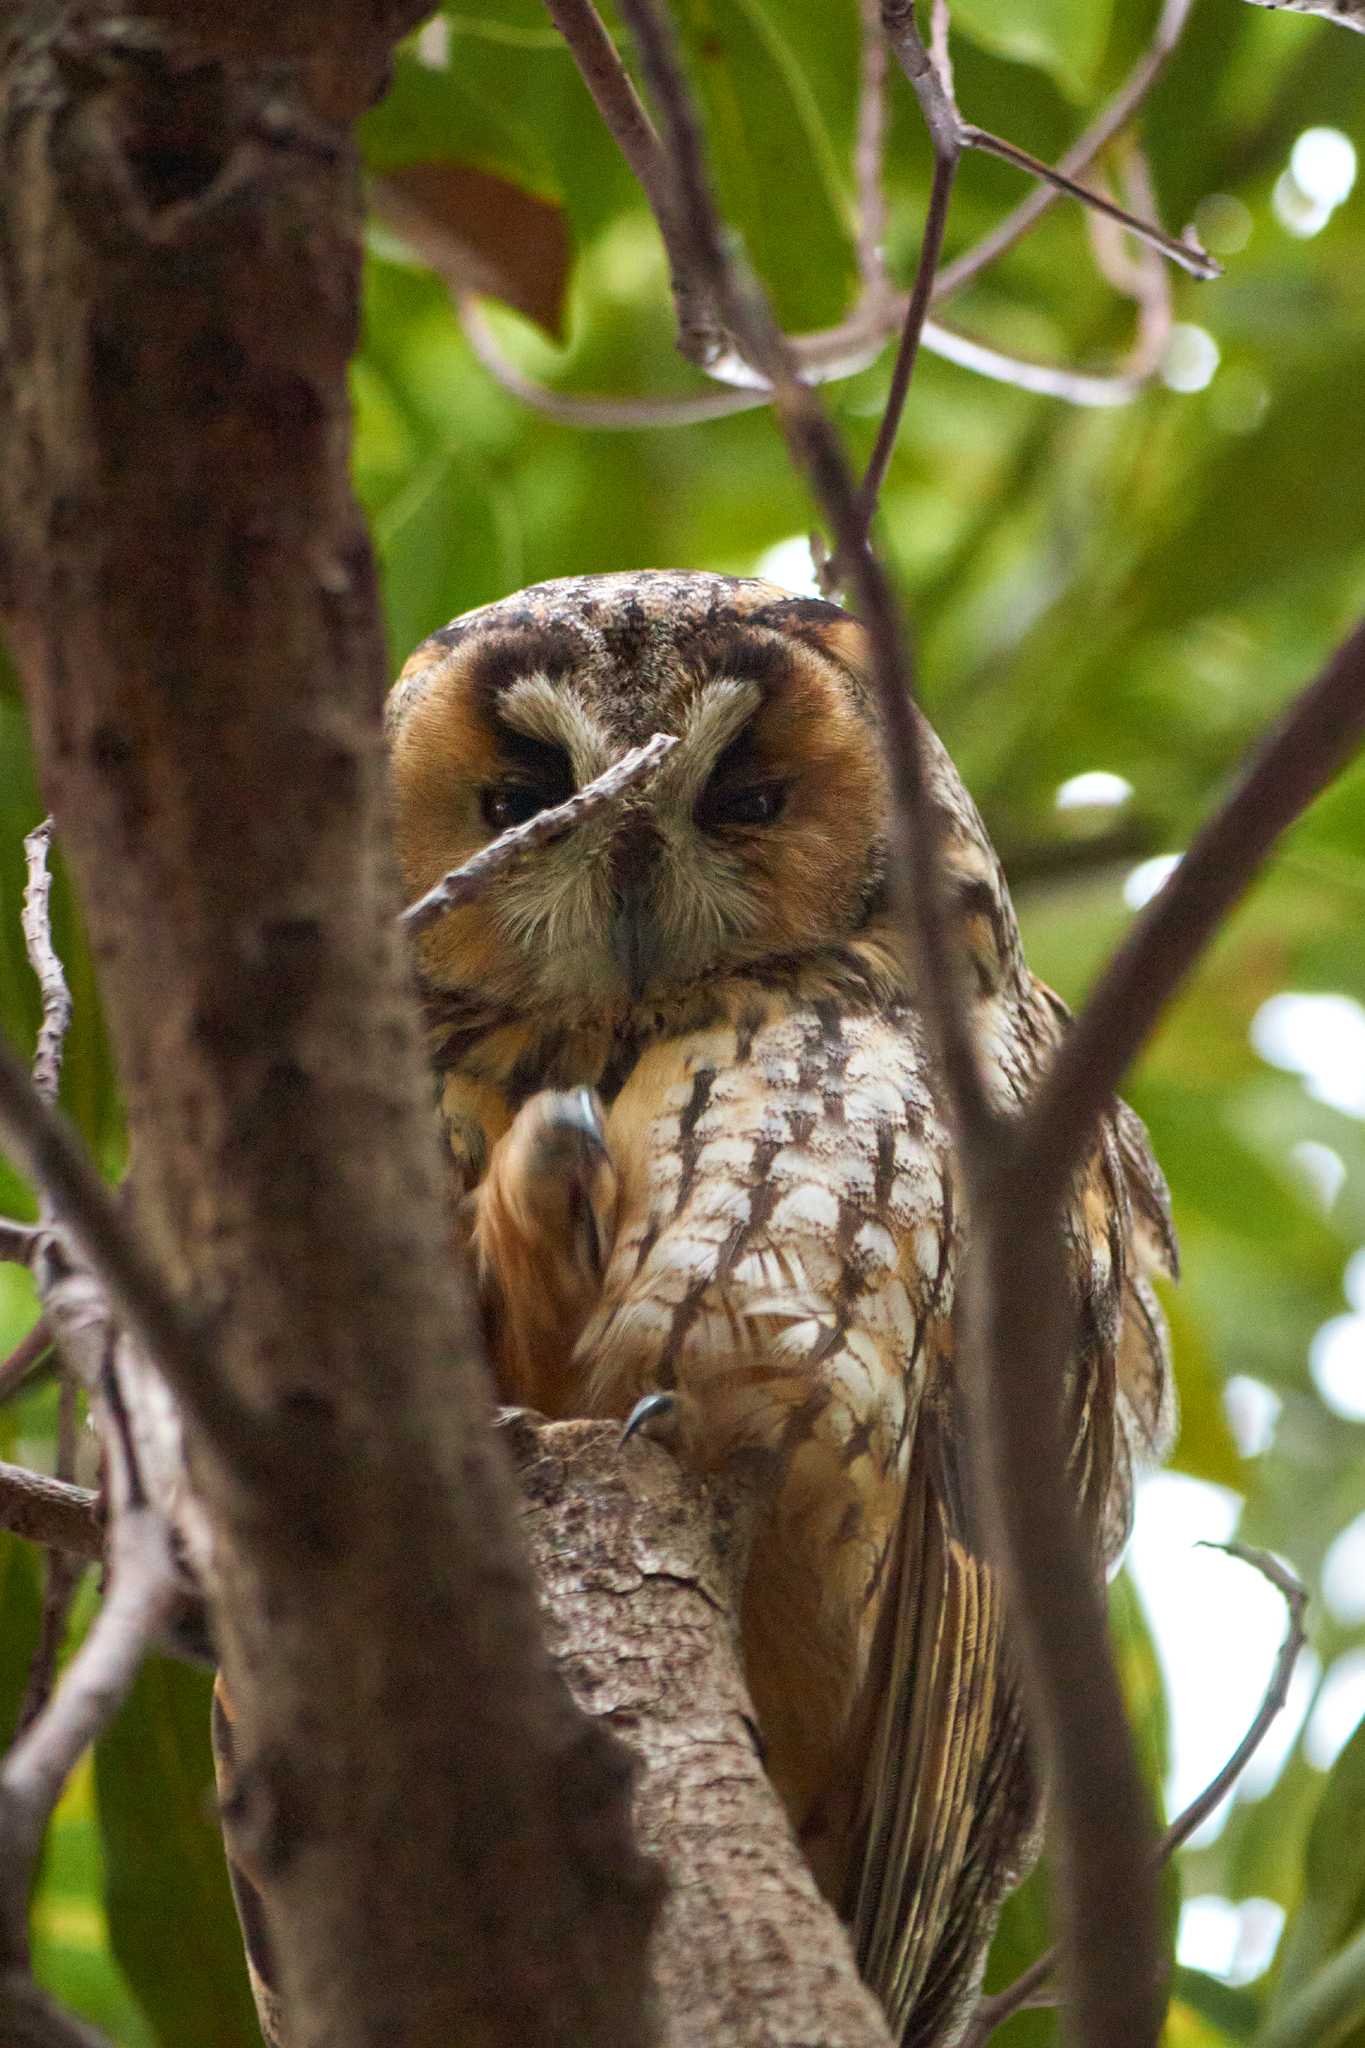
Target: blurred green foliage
1136,590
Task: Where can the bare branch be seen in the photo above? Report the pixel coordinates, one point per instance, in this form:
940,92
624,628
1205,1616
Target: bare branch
61,1574
1139,275
955,276
1188,255
994,2011
54,1161
141,1598
1316,738
699,336
36,920
50,1512
26,1357
463,884
593,411
869,150
816,449
940,118
18,1241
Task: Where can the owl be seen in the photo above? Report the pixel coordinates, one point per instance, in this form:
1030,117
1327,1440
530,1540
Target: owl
700,1153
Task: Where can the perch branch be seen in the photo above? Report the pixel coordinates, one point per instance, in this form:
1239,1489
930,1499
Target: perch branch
468,881
992,2012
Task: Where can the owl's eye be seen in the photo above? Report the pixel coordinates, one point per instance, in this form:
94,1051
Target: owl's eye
757,803
512,803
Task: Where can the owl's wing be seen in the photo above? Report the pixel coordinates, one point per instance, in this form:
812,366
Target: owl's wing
949,1806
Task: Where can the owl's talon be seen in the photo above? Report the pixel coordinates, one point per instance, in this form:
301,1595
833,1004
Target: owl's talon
650,1408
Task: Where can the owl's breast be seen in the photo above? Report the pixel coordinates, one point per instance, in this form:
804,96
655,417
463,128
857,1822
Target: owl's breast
786,1228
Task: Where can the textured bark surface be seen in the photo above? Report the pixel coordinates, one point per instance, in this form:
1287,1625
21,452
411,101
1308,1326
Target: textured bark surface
190,593
640,1566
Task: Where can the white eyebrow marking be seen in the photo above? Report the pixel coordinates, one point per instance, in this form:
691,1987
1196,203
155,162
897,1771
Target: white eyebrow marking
555,712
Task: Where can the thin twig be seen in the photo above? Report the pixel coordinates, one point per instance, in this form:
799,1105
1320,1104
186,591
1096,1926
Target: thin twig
818,452
463,884
869,149
50,1512
36,921
25,1359
1141,275
940,118
142,1595
992,2012
61,1575
699,336
55,1161
593,410
1189,255
964,269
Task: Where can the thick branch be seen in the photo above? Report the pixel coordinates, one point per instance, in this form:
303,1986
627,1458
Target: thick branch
191,598
641,1565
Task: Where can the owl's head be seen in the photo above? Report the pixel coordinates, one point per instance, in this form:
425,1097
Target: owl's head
763,836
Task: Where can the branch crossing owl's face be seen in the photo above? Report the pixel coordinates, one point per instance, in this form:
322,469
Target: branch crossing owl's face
761,837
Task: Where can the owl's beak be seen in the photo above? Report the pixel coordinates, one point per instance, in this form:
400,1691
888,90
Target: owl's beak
634,932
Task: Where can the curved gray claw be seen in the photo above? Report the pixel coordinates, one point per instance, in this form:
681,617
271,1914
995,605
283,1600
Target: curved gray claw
646,1410
582,1113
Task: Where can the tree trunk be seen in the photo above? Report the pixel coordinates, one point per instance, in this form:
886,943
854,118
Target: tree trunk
191,597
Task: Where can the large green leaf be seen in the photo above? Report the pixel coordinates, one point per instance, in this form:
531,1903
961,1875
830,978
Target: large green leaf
1332,1909
170,1909
1065,37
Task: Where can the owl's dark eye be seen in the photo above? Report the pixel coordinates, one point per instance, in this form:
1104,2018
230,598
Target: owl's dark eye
756,803
512,803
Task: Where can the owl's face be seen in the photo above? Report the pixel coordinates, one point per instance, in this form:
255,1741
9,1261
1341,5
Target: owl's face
761,837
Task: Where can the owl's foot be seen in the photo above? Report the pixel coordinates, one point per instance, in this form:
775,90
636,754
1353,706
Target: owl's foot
544,1220
654,1415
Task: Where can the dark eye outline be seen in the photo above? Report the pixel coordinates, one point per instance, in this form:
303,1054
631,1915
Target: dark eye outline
504,804
752,804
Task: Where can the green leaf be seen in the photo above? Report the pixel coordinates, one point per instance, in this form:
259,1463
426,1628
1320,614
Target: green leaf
1328,2006
1064,37
781,176
171,1918
1331,1912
